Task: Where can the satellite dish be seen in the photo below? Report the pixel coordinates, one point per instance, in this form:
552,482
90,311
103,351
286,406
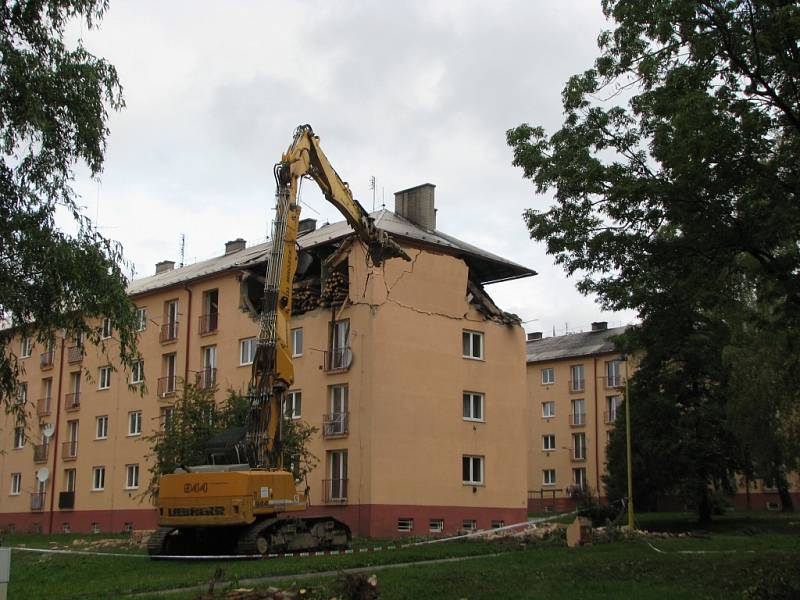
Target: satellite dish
48,430
43,474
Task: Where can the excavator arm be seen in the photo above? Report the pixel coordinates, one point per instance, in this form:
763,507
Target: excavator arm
272,371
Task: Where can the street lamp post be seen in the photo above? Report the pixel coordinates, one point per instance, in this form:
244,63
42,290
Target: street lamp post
628,448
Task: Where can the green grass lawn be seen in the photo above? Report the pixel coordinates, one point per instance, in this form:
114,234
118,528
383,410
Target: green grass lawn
765,545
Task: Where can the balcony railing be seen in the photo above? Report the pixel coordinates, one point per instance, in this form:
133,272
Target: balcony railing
209,323
43,407
69,450
167,386
37,501
577,385
40,452
335,425
615,381
46,359
577,419
66,500
610,417
74,354
72,401
578,453
207,378
169,332
334,491
338,359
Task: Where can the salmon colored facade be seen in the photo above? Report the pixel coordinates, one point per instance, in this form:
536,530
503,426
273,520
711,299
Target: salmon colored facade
399,453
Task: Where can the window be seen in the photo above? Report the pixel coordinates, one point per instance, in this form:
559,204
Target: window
578,416
549,409
579,446
105,378
549,441
472,470
613,404
19,437
131,477
26,347
105,332
576,382
208,376
579,478
548,376
340,355
473,406
137,371
405,524
497,524
16,484
141,319
70,476
101,427
335,424
22,393
209,320
297,342
436,525
613,373
472,342
135,422
549,477
336,490
292,404
98,478
469,525
165,415
247,351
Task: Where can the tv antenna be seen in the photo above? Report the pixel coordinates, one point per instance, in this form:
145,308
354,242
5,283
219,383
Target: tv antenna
372,187
183,247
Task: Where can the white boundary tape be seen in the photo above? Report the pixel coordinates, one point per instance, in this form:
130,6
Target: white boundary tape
297,554
660,551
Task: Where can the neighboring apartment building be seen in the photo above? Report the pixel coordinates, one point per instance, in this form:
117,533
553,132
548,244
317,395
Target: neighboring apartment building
415,379
575,389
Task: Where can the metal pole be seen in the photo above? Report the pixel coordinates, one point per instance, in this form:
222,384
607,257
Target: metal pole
628,449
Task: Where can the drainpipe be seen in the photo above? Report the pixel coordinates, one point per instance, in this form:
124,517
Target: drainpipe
596,430
55,435
188,332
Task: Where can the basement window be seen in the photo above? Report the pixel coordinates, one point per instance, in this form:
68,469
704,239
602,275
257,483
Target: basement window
436,525
469,525
497,524
405,524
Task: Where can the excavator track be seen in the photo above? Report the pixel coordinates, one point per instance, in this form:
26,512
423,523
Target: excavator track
156,545
293,535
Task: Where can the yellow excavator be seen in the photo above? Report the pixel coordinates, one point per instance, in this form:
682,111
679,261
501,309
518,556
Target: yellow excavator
253,506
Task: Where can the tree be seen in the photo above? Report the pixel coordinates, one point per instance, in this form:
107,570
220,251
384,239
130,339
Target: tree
53,111
675,181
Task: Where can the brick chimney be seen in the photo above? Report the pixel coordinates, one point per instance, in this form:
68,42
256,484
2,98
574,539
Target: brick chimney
599,325
235,246
417,205
306,226
534,335
164,266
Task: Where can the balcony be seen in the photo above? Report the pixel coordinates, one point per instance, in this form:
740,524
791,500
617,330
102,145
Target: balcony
43,407
169,332
334,491
37,501
577,419
337,360
72,401
335,425
207,378
209,323
577,385
167,386
47,359
40,453
69,450
74,354
66,500
577,454
614,382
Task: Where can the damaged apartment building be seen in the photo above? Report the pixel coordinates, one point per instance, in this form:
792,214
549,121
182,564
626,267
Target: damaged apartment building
415,379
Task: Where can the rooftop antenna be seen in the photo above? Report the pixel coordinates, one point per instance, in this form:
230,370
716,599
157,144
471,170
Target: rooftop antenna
372,187
183,247
383,197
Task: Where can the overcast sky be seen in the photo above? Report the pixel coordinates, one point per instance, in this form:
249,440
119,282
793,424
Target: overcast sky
408,92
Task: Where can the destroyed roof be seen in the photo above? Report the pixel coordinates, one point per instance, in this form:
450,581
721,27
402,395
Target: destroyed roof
573,345
485,266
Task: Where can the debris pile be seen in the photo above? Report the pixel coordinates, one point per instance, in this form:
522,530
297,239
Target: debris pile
532,532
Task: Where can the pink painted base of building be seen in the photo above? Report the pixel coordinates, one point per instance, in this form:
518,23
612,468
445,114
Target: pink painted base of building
365,520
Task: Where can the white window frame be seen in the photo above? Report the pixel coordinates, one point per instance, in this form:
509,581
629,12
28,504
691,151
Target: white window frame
252,344
436,525
19,437
545,439
581,484
614,373
297,342
165,415
469,401
132,476
104,378
22,392
16,484
579,450
578,418
26,347
293,404
98,478
472,461
70,480
101,429
551,404
137,371
134,423
405,524
469,524
548,476
105,328
468,338
141,318
551,376
575,384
